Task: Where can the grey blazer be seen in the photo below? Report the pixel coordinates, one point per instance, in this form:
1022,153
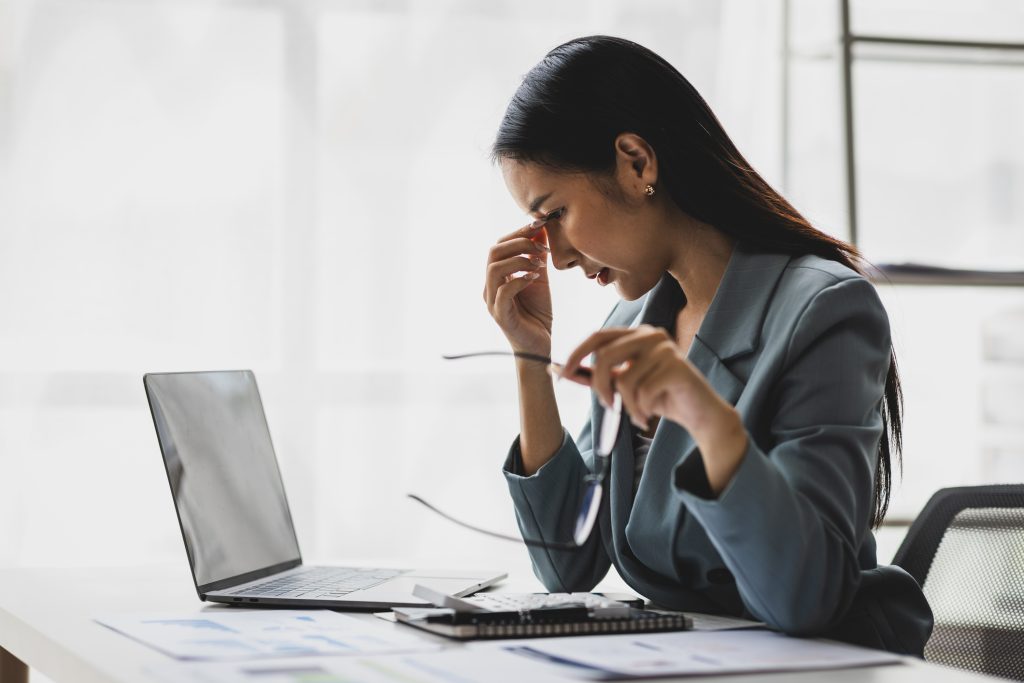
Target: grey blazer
800,345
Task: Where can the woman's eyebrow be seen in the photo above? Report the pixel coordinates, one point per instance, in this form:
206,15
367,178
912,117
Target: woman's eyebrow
535,204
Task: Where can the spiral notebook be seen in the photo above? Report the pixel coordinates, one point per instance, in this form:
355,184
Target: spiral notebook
564,620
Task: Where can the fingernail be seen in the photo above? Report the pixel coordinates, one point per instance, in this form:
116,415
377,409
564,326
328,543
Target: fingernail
542,246
537,261
531,276
555,372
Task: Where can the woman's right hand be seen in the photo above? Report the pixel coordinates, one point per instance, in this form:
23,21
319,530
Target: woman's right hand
521,305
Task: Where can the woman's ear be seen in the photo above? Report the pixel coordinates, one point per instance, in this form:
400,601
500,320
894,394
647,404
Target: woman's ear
636,165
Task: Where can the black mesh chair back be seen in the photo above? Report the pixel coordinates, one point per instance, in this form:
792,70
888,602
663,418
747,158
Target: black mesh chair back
966,550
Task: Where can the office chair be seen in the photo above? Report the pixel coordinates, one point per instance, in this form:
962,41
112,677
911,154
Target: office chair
966,550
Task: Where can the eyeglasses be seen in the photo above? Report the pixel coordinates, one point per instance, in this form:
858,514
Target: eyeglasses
590,505
581,371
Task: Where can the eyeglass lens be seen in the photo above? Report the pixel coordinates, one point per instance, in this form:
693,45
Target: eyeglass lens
590,505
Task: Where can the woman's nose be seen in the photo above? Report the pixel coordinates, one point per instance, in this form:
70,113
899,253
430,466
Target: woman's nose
563,256
562,261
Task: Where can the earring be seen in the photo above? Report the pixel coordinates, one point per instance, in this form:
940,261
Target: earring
649,190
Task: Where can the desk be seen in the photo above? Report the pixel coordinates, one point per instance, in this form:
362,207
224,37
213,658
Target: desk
46,623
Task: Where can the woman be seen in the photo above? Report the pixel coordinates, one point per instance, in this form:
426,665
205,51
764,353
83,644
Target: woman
752,359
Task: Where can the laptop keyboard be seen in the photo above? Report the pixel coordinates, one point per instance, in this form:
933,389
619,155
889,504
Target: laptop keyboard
320,583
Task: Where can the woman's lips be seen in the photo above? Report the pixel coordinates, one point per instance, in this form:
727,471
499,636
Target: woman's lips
603,277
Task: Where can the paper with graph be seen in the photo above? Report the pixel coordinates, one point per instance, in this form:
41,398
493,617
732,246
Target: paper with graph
456,665
234,635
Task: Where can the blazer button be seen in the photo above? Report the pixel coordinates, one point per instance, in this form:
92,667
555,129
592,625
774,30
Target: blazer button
720,575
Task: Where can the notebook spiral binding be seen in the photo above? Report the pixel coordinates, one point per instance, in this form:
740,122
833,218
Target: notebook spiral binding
645,623
542,623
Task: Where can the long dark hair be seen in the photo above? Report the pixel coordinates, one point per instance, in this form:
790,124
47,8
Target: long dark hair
570,108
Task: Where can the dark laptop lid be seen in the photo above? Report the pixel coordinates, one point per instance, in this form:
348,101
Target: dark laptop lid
224,476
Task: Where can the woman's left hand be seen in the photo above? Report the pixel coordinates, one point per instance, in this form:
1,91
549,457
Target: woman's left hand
652,374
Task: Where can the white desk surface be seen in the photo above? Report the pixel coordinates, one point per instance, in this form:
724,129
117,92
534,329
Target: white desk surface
46,621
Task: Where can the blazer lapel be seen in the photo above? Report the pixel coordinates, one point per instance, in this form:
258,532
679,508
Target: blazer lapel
732,325
731,328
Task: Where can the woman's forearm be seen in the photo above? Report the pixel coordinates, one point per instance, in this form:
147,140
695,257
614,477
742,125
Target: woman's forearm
540,424
722,441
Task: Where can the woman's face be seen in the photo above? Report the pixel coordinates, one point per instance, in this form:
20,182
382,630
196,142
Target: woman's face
595,225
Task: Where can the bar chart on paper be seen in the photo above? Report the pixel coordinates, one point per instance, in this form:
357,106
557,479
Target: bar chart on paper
448,666
229,635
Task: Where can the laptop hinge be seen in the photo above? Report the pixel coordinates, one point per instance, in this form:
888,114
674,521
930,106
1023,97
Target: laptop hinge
246,577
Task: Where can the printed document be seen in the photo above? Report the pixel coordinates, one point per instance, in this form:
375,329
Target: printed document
450,666
247,634
695,653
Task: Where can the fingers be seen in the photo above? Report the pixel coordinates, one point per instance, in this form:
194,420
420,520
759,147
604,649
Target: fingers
522,250
643,386
591,344
504,301
498,273
515,247
580,375
618,357
531,231
615,350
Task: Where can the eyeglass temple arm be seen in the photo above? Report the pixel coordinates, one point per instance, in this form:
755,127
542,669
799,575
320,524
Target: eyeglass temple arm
494,534
581,371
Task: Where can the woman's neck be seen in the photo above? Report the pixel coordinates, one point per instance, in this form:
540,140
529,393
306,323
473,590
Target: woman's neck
699,260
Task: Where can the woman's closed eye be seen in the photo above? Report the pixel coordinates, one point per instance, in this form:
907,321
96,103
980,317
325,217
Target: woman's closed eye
554,215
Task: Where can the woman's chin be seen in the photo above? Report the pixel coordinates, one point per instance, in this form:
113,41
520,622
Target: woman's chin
629,289
626,292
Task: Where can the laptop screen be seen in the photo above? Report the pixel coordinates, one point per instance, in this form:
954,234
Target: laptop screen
223,472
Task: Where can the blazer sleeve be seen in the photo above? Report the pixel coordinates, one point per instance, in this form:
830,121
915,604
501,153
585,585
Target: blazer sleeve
546,505
789,523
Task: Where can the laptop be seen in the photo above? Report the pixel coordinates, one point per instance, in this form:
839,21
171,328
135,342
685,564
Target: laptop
234,514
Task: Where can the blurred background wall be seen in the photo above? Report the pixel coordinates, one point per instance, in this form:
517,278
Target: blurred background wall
301,187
